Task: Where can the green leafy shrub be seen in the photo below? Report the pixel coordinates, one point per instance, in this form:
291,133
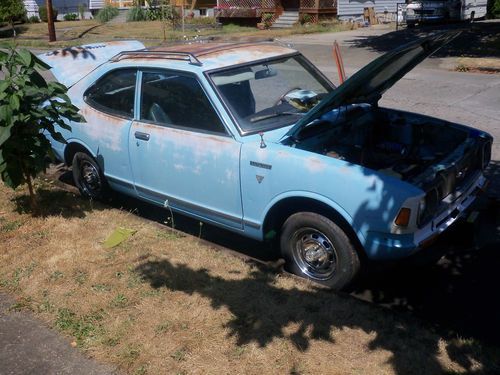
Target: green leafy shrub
81,11
11,11
106,14
136,14
70,17
305,18
34,19
42,11
494,8
29,108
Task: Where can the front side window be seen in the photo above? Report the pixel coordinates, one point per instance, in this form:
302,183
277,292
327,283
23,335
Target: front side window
169,98
114,93
270,95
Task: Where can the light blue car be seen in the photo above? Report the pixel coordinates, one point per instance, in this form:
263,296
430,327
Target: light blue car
254,139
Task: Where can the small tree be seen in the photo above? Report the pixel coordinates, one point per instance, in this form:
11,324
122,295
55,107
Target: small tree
29,108
10,11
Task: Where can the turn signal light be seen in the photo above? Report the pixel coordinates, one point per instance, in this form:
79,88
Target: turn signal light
403,218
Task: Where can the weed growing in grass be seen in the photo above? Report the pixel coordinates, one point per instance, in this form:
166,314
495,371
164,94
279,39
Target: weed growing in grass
101,288
46,306
82,328
129,354
10,226
141,370
169,234
151,293
42,234
81,277
56,275
134,279
23,303
17,275
180,354
119,301
111,341
238,352
162,328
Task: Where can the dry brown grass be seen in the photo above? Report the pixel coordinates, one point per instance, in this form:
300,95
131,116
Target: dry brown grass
150,32
165,303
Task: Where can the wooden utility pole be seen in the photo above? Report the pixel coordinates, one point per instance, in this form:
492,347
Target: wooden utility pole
50,21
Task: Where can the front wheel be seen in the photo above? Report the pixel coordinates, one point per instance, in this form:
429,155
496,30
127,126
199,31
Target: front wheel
88,177
316,248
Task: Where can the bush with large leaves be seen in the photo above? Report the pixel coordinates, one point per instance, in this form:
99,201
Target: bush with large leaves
30,107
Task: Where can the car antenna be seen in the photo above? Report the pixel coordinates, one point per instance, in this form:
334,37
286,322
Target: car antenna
262,143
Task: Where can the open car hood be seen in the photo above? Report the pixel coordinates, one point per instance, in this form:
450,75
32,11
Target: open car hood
71,64
369,83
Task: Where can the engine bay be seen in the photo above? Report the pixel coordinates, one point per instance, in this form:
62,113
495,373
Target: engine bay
395,143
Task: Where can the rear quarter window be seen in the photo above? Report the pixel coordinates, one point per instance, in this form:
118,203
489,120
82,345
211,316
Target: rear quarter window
114,93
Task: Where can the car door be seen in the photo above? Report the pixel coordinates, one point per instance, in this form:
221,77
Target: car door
181,154
108,108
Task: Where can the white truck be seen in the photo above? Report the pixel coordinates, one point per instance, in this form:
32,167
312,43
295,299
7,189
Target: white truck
443,10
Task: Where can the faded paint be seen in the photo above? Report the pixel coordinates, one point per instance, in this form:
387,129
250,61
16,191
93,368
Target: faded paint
210,176
71,64
313,164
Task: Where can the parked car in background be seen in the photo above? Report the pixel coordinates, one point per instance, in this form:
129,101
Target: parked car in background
253,138
444,10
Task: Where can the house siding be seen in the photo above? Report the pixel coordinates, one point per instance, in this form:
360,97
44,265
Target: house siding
63,6
354,8
96,4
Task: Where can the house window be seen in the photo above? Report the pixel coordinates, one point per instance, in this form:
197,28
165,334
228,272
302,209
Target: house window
203,12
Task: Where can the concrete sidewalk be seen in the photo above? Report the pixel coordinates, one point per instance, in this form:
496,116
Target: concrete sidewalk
27,346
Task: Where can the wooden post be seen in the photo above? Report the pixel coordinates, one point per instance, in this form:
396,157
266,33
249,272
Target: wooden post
50,21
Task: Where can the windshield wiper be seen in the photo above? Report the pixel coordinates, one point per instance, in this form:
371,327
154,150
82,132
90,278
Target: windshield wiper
271,115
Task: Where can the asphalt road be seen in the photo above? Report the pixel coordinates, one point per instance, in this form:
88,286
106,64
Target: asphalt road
432,88
29,347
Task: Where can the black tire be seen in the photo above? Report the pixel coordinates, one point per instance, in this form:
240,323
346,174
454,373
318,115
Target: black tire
314,247
88,177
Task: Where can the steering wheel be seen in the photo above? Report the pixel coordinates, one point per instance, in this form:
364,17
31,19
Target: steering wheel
280,100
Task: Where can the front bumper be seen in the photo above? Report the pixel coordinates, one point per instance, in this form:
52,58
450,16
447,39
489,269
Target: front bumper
383,246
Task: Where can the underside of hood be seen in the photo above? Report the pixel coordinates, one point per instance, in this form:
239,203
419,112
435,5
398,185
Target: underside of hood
71,64
369,83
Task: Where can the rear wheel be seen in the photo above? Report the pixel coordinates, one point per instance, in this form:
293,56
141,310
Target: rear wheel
88,177
316,248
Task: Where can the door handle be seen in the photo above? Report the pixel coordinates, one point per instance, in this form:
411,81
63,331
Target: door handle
142,136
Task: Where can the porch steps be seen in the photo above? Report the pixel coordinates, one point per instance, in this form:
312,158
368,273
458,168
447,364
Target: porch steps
286,20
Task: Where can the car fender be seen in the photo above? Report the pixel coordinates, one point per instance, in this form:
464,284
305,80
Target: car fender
335,206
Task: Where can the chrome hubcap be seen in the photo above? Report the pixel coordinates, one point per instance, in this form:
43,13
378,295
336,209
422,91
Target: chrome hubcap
314,254
91,180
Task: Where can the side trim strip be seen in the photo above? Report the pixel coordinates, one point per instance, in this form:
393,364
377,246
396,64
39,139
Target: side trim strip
116,181
176,203
251,224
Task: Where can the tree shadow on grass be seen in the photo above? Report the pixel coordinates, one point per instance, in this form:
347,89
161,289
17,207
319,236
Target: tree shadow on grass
481,39
457,293
54,202
6,31
263,312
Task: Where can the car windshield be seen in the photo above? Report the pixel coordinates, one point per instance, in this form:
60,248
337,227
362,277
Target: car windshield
271,94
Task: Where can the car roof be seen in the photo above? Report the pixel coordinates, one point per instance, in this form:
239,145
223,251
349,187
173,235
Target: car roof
208,56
